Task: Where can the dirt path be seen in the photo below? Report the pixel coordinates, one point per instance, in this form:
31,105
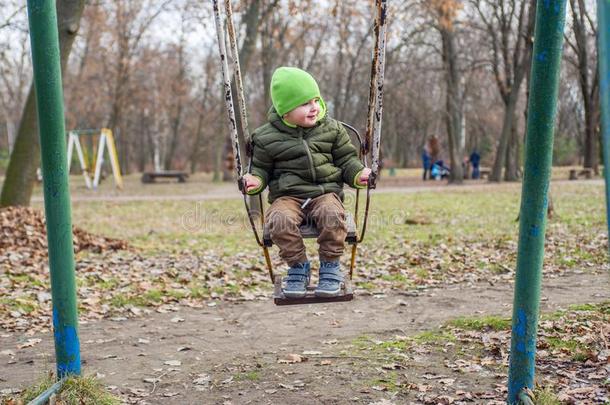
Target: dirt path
227,353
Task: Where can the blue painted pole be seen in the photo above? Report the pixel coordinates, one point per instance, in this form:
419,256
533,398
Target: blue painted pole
44,39
603,18
542,110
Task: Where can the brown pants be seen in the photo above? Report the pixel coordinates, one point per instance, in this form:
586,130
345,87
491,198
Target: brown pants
326,211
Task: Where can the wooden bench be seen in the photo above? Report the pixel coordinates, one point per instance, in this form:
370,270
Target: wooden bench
586,173
484,174
150,177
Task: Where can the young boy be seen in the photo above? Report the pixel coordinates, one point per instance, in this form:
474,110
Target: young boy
304,157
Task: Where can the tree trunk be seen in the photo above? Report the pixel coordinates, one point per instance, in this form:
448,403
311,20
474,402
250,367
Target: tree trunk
194,158
505,136
591,155
511,171
25,158
453,115
142,151
588,85
173,143
267,57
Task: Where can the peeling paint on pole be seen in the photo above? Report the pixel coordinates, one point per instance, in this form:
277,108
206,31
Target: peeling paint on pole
550,22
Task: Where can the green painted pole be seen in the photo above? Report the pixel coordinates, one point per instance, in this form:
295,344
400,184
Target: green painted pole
542,110
603,18
49,97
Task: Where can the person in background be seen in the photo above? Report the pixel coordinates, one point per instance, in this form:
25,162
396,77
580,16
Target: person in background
426,162
475,160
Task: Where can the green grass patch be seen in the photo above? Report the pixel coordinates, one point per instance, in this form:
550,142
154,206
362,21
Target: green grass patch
26,279
122,300
23,305
602,308
149,298
480,324
434,336
253,375
76,390
154,295
397,278
198,291
173,226
395,345
422,273
366,285
577,350
362,342
545,397
177,294
389,382
110,284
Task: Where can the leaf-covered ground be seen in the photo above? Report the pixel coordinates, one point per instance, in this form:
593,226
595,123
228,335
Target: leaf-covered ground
573,359
126,283
415,243
464,361
375,348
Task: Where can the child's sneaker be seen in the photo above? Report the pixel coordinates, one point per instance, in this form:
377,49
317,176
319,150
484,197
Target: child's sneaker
331,279
297,281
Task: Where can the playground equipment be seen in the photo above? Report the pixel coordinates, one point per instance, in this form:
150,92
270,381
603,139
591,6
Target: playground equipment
371,145
105,142
542,108
547,54
603,19
47,80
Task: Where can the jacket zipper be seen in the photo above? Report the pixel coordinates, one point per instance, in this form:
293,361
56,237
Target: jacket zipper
311,168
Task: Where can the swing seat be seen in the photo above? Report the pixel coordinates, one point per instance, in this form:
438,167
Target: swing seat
309,230
346,294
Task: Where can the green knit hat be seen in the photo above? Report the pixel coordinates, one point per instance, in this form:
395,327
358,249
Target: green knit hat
291,87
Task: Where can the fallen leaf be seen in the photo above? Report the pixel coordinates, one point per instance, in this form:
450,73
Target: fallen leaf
291,359
29,343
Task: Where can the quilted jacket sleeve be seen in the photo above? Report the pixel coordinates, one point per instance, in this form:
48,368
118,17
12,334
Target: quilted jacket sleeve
262,166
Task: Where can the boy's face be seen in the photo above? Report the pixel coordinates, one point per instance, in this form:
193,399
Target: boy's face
305,115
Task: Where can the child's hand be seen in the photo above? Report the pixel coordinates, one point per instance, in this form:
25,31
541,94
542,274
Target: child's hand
364,176
251,182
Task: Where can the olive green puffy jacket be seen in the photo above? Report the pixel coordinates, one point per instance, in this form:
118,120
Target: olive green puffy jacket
303,162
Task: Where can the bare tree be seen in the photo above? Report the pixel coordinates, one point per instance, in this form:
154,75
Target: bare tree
131,22
445,12
583,45
509,26
25,158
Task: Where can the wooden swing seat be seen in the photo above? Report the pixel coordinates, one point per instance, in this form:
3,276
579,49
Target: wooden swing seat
346,294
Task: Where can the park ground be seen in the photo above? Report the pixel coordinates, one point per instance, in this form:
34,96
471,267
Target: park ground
175,303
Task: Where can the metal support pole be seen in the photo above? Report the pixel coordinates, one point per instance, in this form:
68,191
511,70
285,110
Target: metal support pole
45,396
546,62
603,18
47,79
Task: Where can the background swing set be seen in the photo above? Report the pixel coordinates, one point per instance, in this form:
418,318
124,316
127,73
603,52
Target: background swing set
89,159
550,22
